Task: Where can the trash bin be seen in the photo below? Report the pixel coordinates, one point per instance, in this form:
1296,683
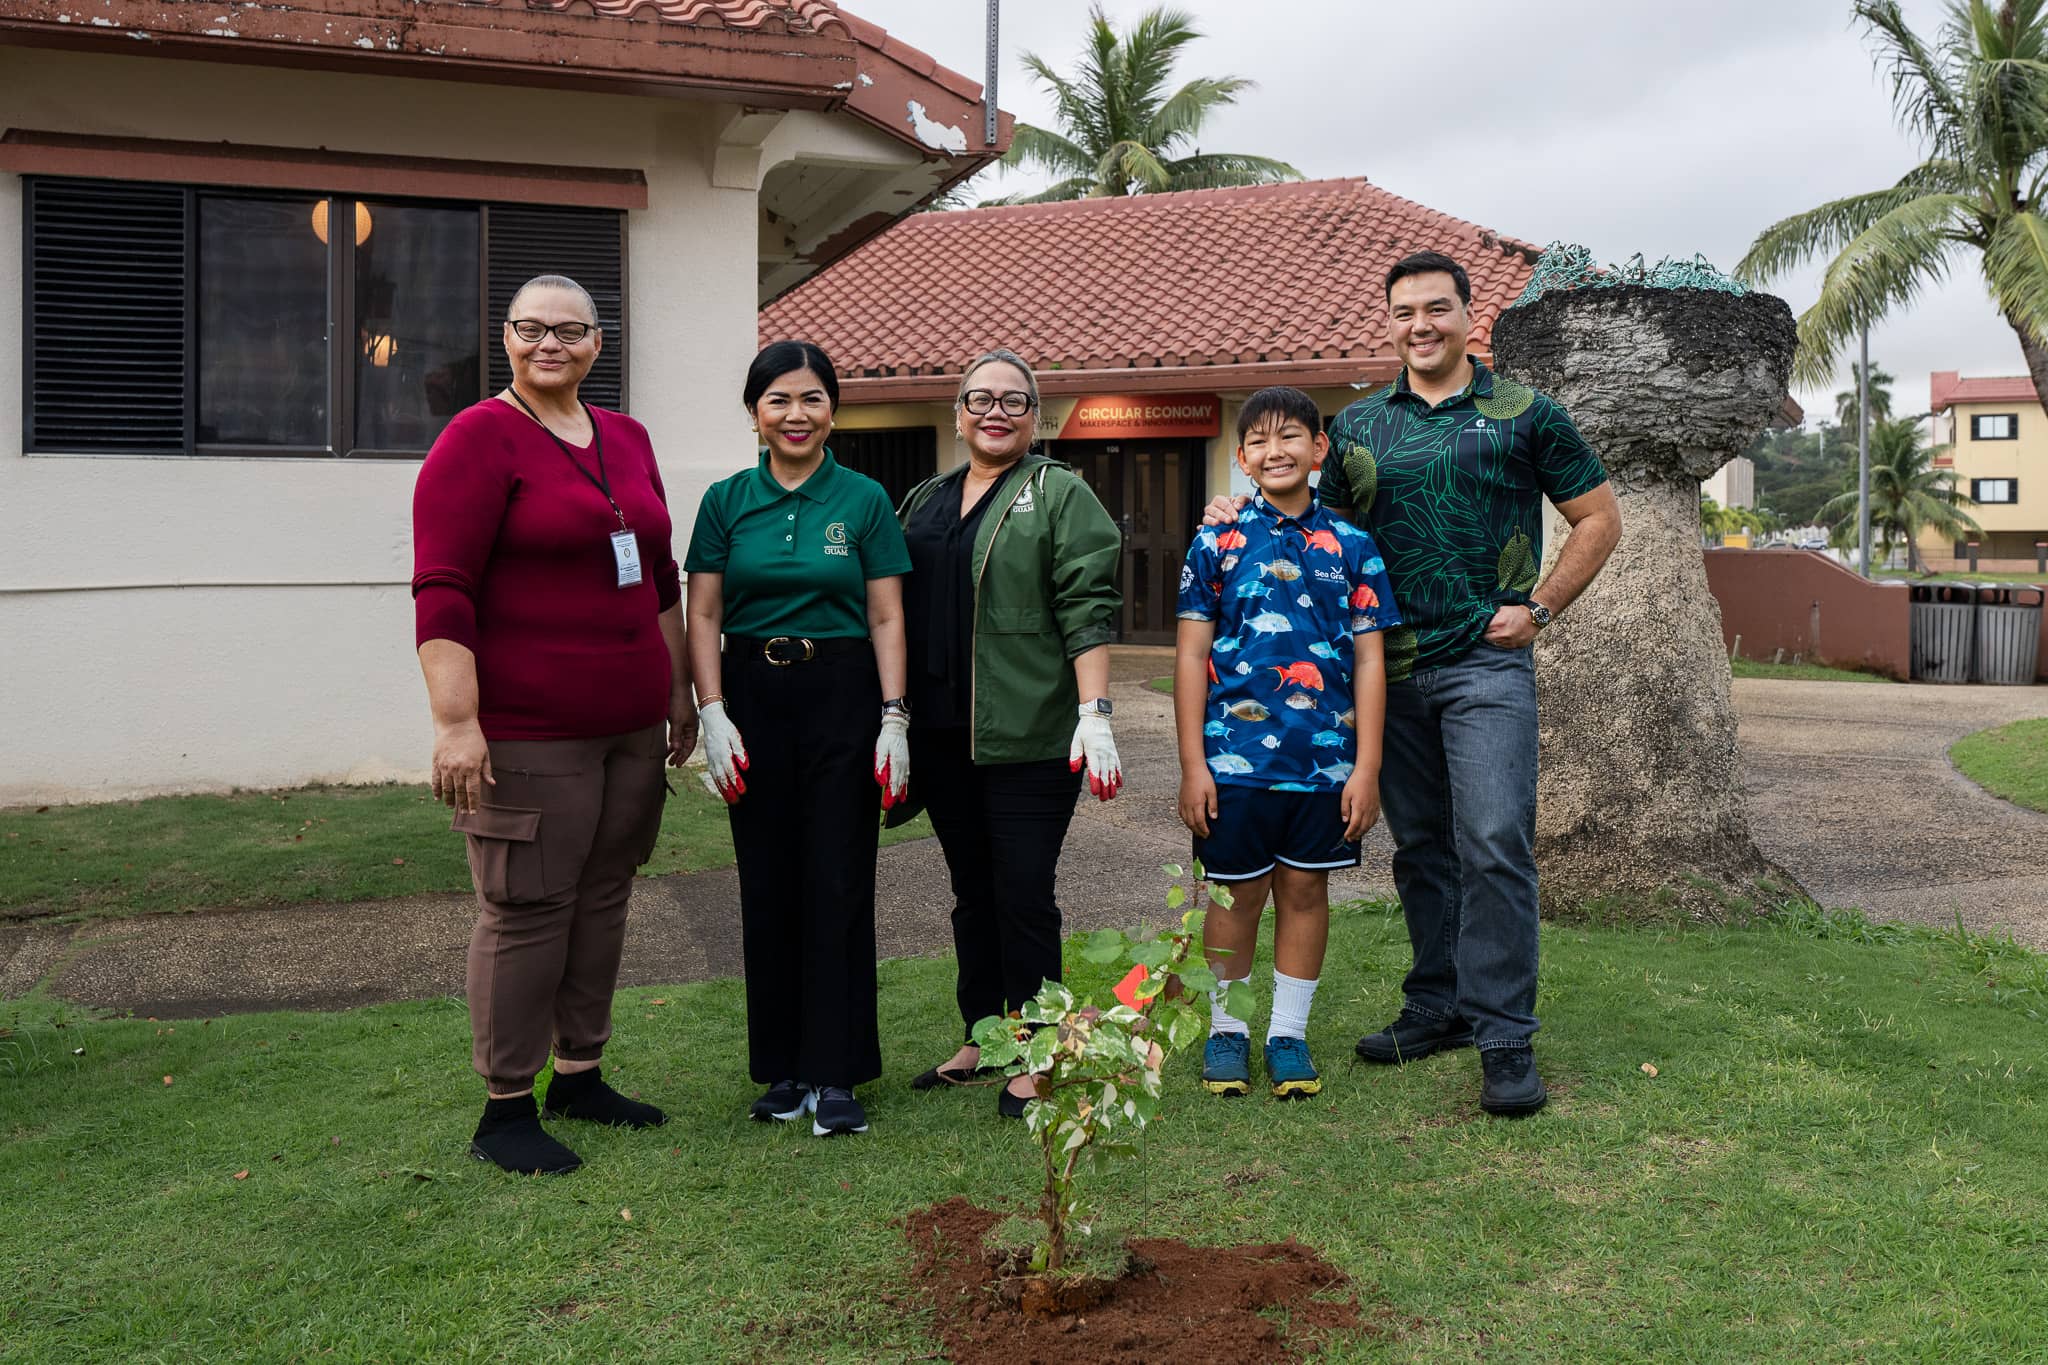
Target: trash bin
2008,633
1943,632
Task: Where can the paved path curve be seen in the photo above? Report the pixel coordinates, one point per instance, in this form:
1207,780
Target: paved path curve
1850,789
1849,785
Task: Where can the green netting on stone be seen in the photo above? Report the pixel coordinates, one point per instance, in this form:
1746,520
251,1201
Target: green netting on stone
1566,265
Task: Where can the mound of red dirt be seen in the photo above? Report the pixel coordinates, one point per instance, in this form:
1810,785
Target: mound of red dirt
1176,1302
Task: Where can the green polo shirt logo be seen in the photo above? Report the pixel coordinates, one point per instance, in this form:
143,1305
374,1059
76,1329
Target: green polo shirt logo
835,538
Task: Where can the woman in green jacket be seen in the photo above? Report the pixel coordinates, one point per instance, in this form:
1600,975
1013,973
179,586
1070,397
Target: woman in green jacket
1011,604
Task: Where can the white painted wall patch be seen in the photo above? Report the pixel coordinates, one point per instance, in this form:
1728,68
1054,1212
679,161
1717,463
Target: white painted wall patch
934,134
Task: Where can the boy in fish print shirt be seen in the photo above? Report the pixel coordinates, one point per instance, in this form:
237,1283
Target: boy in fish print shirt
1279,692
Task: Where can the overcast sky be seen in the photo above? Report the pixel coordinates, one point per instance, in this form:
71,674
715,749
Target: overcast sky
1626,125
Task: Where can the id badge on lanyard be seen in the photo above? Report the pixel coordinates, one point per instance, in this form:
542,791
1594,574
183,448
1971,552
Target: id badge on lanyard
626,551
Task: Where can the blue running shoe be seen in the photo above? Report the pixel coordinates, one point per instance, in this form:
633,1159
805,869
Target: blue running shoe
1227,1064
1289,1069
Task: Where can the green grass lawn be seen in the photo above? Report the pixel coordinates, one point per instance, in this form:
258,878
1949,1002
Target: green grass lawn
305,844
1843,1155
1760,668
1164,684
2008,760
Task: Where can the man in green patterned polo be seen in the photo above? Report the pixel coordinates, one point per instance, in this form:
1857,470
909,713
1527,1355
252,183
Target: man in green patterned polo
1448,467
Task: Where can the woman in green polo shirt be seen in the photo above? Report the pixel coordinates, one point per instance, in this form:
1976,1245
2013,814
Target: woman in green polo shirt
798,564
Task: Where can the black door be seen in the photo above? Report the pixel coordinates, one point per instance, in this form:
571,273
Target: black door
1153,489
897,458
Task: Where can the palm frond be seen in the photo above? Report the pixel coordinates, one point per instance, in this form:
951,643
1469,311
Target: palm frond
1225,170
1826,230
1128,164
1184,112
1923,96
2016,268
1886,264
1047,150
1074,187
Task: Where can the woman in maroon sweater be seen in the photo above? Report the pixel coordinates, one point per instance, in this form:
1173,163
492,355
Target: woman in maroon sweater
550,630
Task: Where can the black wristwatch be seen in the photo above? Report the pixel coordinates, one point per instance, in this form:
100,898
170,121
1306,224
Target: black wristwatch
1538,613
896,704
1100,706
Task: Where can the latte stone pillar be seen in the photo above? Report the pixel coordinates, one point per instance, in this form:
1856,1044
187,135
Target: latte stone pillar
1640,809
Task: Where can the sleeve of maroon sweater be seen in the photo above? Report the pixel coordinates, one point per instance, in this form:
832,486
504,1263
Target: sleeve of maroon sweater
668,579
457,505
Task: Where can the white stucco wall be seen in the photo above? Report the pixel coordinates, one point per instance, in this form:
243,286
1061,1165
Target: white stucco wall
193,623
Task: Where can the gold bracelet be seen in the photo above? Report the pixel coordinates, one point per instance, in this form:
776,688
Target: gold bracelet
703,702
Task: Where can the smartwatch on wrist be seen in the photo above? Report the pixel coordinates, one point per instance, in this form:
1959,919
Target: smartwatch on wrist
1098,707
900,705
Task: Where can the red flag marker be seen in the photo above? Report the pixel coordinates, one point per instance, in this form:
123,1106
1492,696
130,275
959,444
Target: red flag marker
1127,989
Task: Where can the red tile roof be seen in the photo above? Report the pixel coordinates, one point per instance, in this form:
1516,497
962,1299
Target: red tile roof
1947,387
773,16
1274,275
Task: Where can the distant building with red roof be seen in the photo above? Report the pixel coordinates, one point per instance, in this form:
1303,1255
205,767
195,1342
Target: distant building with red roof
1992,435
1149,319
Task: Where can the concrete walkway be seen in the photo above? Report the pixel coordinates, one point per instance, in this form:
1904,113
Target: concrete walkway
1849,785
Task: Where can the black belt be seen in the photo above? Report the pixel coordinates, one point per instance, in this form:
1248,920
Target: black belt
783,650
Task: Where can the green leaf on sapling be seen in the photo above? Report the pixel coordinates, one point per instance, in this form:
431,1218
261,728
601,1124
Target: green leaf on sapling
1103,946
1175,897
1240,1002
1220,893
1153,954
1182,1029
1198,979
1174,870
1038,1052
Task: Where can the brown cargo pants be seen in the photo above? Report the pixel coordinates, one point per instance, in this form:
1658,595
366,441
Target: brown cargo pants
552,852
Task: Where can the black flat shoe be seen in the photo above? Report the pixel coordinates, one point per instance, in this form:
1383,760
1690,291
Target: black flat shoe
940,1075
1011,1106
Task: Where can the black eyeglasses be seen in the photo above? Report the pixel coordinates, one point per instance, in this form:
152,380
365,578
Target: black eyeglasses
568,333
981,402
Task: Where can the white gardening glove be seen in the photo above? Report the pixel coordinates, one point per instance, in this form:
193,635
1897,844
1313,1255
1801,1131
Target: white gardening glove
723,752
1094,745
892,757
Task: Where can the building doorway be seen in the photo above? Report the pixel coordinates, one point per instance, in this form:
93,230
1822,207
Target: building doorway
1153,490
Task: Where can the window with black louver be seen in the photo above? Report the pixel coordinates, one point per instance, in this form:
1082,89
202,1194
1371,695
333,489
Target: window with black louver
587,245
108,295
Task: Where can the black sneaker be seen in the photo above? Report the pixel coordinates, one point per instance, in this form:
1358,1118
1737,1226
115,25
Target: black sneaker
1414,1036
1512,1088
837,1111
784,1100
510,1137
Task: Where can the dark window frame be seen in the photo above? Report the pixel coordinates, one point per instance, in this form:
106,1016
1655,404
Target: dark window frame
2013,484
1977,420
341,320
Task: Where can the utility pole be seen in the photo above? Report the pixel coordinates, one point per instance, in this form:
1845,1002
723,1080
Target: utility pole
1863,451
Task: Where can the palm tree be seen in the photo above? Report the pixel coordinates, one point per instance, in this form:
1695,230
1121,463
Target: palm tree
1908,494
1120,131
1978,99
1880,396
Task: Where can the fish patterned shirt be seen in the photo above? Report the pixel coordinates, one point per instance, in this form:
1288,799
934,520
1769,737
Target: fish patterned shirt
1287,596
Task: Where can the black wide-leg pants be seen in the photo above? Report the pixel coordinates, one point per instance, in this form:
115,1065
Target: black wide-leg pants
804,836
1001,826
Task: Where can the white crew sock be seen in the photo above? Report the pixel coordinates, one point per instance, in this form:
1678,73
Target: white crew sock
1292,997
1220,1019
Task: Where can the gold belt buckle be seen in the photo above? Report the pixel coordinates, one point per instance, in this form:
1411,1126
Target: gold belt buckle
768,650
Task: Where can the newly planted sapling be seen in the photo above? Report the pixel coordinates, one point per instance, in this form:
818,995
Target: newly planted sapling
1097,1066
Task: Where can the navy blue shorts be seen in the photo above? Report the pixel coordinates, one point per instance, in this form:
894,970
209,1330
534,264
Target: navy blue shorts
1255,828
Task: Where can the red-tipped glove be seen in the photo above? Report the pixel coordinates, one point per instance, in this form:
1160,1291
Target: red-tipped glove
723,752
892,758
1094,745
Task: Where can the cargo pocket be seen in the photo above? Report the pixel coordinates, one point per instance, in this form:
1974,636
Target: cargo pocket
504,853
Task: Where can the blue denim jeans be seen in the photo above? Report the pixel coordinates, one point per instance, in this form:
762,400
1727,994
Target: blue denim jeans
1458,785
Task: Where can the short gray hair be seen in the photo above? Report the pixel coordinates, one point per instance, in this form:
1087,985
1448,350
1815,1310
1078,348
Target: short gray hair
562,282
1000,355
